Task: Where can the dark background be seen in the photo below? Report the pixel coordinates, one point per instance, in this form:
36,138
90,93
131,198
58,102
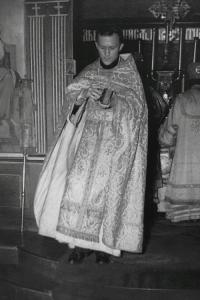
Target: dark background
91,14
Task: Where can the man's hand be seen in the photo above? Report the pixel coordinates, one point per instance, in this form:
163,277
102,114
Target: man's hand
95,91
94,94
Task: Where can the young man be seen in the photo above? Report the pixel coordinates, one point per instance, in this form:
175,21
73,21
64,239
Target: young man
91,189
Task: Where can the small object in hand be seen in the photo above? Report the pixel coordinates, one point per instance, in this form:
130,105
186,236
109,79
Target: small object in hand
105,99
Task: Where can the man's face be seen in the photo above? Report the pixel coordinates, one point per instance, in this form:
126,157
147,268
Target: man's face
108,48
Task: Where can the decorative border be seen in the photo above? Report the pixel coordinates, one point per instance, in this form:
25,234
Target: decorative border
146,34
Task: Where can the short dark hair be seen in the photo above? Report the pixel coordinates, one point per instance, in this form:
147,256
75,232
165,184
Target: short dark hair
108,30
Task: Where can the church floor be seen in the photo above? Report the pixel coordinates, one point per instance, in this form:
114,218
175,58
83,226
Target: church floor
169,268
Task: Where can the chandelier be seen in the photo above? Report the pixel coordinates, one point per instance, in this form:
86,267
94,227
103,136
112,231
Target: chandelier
170,10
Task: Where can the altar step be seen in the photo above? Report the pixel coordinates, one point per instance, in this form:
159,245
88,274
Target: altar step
27,264
39,270
8,254
9,241
28,277
23,284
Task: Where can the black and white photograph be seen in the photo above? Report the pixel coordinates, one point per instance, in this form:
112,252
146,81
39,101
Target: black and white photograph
99,149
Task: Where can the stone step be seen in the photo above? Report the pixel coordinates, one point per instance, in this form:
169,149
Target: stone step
41,254
9,241
25,284
168,269
6,292
90,291
8,254
129,276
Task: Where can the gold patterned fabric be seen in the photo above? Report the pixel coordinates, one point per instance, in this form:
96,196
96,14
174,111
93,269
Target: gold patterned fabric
103,165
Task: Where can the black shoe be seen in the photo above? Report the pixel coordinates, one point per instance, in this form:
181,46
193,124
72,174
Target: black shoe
102,258
76,257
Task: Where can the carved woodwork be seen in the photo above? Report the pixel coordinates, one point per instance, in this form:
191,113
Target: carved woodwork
49,45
